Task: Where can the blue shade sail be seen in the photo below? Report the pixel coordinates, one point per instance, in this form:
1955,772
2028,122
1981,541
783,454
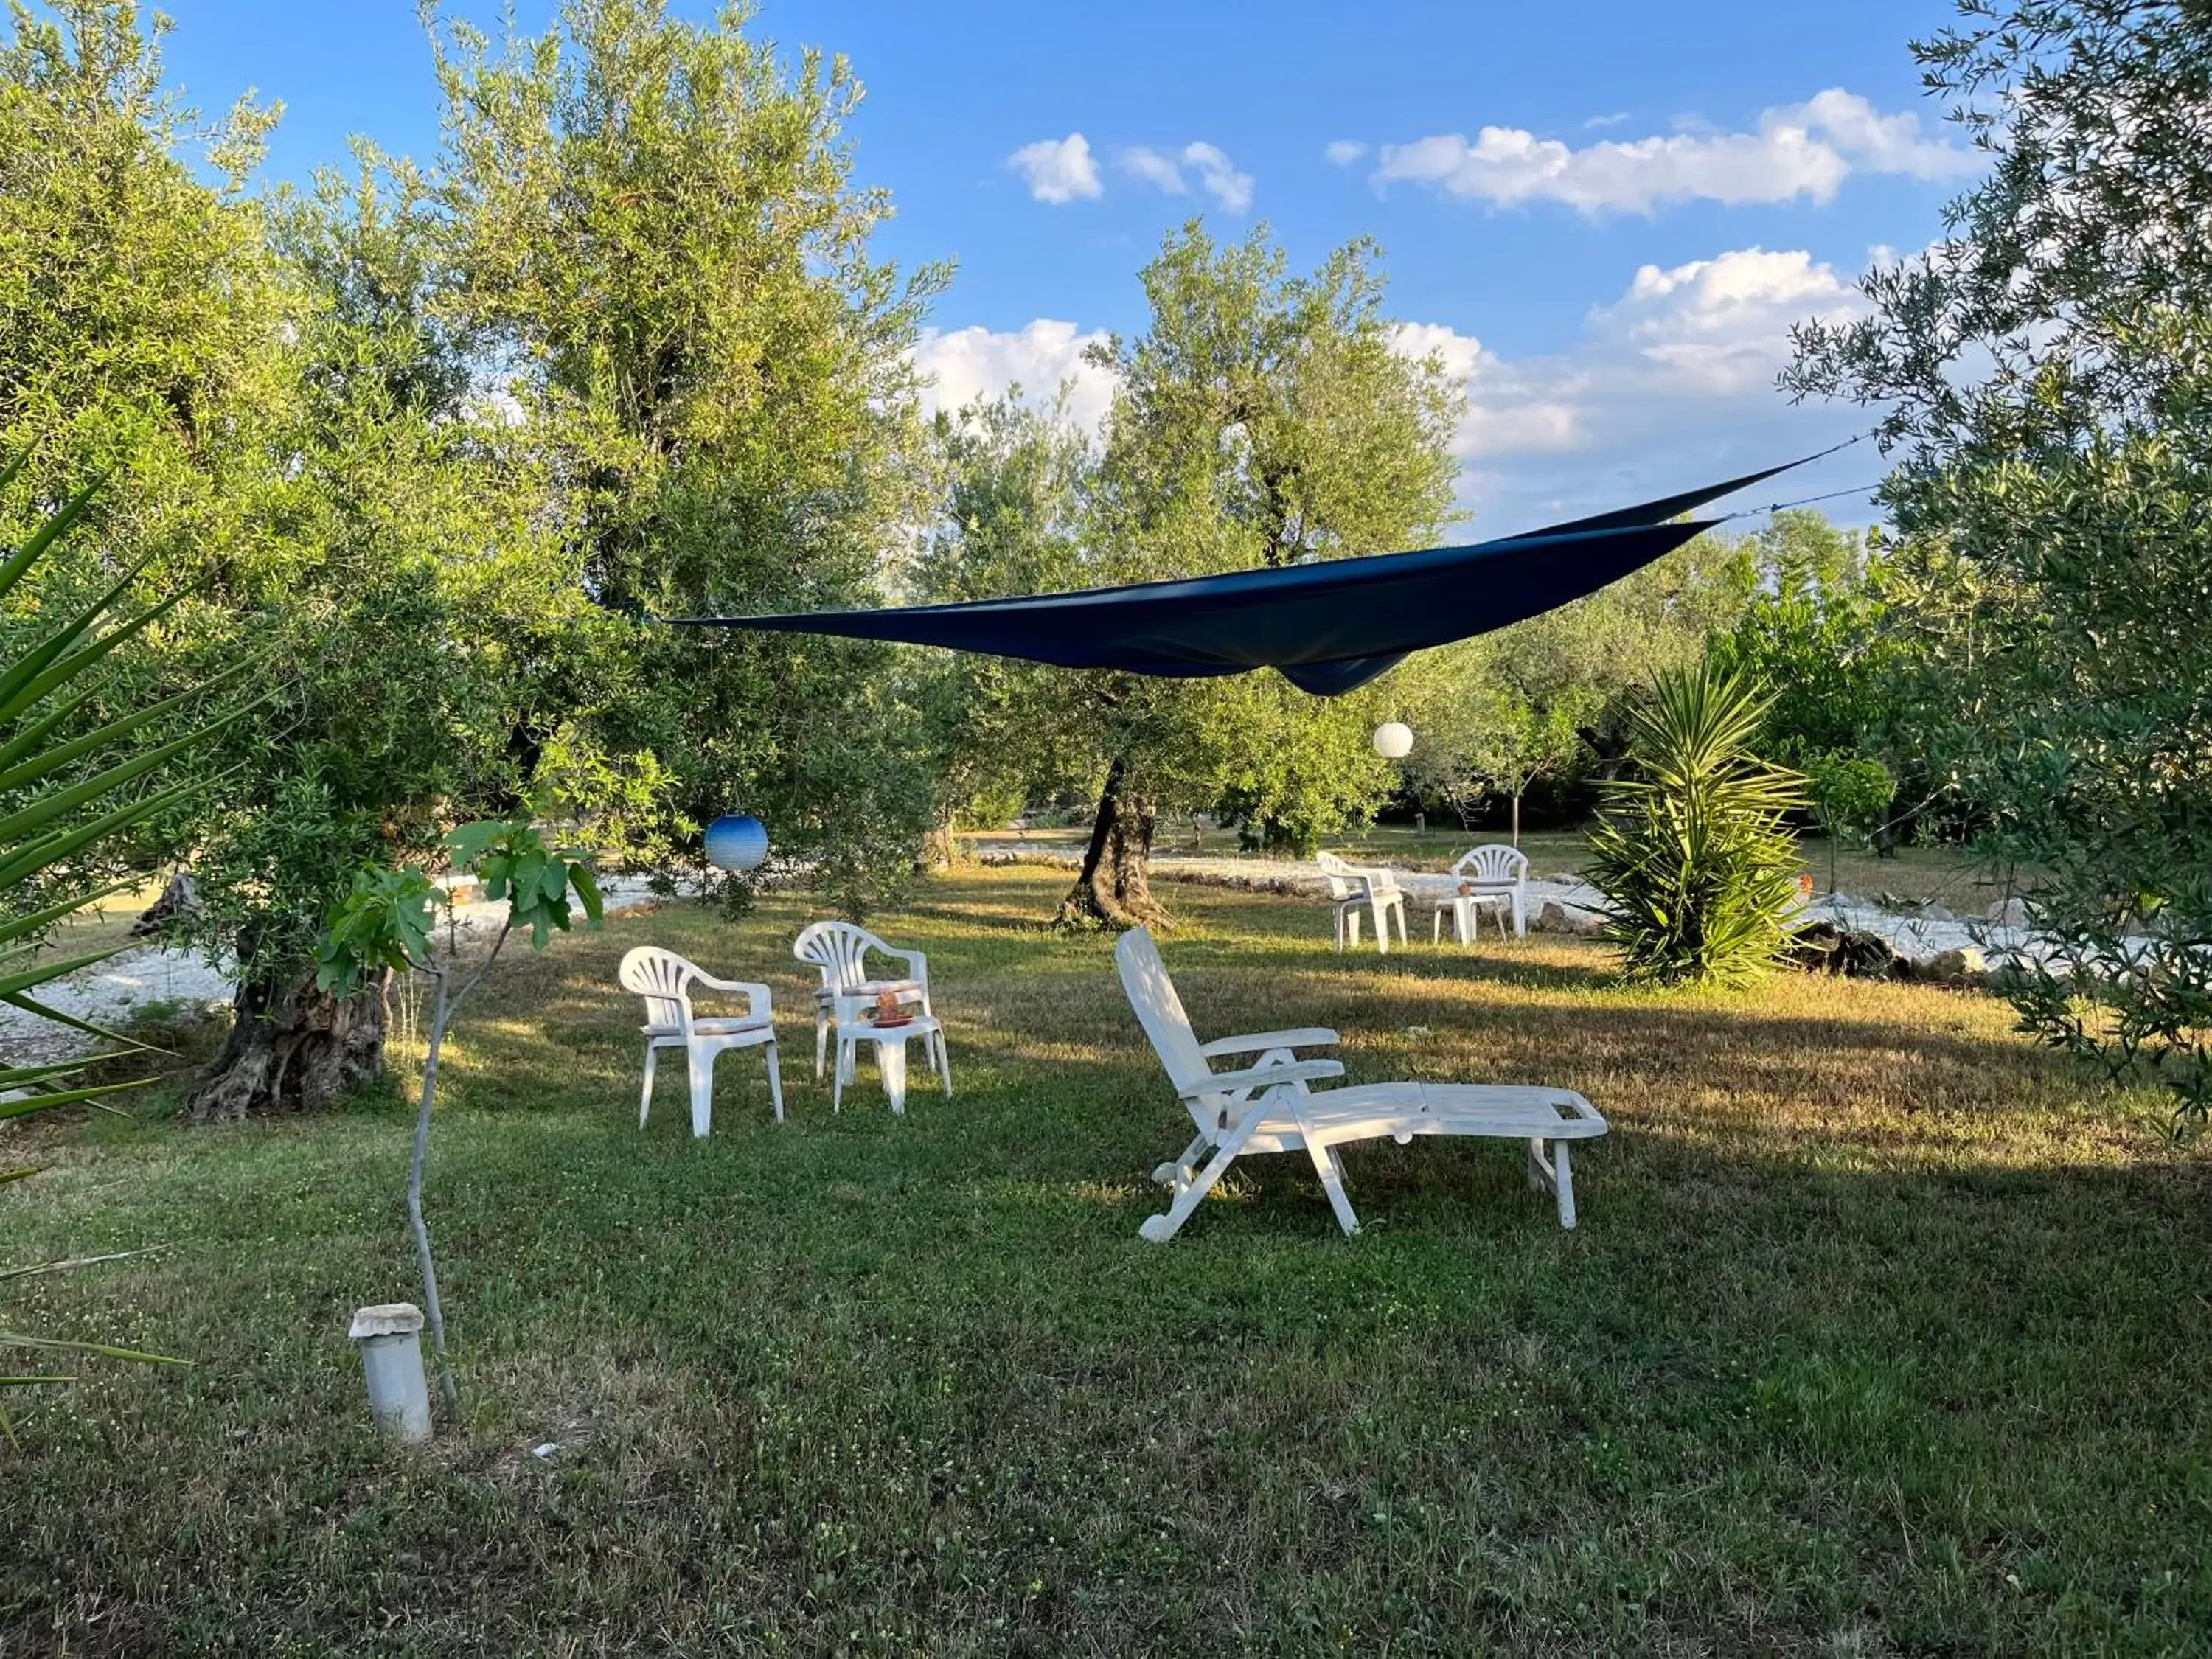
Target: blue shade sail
1327,626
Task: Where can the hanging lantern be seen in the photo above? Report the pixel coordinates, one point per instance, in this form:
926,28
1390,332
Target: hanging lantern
1394,740
737,840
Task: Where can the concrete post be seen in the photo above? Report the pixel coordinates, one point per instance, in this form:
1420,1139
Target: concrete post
390,1338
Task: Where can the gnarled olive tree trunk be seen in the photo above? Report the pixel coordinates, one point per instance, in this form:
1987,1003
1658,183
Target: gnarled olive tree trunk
293,1048
1114,886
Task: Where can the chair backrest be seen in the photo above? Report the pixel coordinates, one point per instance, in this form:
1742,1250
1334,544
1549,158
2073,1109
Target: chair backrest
1344,882
663,979
1494,866
1152,994
840,950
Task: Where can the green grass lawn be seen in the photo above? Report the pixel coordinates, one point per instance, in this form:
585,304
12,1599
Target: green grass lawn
1882,1333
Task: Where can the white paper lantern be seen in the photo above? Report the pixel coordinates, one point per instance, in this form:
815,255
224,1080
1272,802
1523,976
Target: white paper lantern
1394,740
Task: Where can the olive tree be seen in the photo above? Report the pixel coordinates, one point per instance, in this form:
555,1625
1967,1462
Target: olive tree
2044,373
657,237
1263,419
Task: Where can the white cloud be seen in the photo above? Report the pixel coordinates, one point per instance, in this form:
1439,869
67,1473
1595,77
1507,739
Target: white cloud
969,364
1058,170
1217,176
1612,120
1670,384
1884,143
1222,181
1344,152
1720,325
1804,149
1153,168
1508,412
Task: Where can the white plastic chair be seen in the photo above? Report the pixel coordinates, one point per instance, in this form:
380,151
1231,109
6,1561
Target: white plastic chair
665,980
1498,868
847,996
1357,891
1266,1106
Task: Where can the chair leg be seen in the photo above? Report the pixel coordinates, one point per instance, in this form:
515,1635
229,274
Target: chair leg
644,1099
775,1079
1332,1180
890,1072
837,1074
944,1060
1176,1173
1537,1171
1565,1174
1381,929
1161,1228
821,1041
702,1066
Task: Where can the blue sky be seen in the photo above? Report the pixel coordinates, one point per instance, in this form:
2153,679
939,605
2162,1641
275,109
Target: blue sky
1604,215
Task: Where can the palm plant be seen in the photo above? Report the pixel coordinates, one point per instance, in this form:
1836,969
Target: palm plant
1693,854
53,788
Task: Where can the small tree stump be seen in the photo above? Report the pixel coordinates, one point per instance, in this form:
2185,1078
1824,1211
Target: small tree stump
179,898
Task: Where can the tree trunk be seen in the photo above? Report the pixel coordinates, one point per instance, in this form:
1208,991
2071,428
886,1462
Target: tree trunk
1114,886
939,850
441,1013
293,1049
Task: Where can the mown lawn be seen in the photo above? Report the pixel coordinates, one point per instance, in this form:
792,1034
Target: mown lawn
1881,1334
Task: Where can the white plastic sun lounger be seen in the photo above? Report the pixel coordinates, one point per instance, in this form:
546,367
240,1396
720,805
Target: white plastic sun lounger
1266,1106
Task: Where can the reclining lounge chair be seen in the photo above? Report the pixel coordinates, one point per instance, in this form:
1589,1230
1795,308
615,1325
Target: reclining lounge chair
1265,1105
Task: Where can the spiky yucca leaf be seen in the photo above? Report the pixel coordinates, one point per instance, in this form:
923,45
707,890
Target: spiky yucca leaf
70,811
1693,855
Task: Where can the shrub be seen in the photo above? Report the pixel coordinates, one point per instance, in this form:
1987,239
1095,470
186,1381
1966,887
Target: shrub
1692,853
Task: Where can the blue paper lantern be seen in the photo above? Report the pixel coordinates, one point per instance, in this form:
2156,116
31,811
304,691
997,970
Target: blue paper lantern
735,841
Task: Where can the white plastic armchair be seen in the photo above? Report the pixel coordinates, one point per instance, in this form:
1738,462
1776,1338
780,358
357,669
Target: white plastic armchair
841,949
1357,889
1498,868
665,980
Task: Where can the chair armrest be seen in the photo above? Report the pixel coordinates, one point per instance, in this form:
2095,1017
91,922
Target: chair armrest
759,1001
1307,1037
916,961
1265,1077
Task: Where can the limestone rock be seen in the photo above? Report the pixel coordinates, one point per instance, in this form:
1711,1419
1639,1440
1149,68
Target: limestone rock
1964,966
1555,918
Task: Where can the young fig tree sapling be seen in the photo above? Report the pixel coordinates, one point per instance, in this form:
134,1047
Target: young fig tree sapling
384,922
